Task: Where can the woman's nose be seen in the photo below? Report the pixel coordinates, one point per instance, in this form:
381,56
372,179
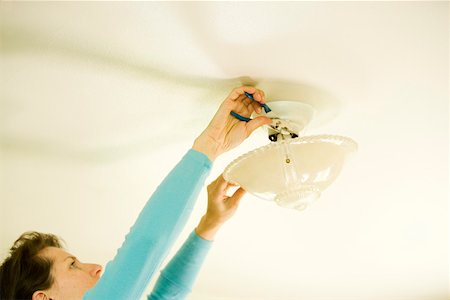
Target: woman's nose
95,270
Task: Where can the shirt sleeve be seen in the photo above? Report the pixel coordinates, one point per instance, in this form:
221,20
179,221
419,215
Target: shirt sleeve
158,225
178,277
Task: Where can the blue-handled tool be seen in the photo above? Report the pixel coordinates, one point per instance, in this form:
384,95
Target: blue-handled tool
266,108
239,117
245,119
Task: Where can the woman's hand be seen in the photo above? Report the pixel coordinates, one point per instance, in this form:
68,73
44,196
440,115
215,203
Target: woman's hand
225,132
220,207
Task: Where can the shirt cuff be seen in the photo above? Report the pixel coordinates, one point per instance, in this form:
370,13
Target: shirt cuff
200,157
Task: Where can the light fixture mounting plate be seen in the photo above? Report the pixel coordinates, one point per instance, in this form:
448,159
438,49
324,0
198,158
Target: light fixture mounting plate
294,116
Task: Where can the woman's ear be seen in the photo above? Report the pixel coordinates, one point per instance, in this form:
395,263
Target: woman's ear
40,295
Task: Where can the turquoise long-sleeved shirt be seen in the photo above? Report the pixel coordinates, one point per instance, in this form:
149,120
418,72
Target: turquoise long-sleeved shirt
154,232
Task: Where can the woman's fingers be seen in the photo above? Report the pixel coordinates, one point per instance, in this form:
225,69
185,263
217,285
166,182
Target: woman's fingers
256,107
263,95
223,185
241,91
238,194
238,101
221,182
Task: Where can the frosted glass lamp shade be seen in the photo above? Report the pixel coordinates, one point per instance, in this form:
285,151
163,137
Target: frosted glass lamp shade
292,172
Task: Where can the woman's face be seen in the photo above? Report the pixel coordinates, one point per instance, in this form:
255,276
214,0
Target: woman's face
72,278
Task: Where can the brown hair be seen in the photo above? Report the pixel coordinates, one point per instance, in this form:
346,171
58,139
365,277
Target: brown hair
24,272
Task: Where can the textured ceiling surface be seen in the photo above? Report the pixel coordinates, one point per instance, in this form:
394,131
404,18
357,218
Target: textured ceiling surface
100,100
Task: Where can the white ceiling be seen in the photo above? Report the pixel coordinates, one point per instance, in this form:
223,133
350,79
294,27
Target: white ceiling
100,100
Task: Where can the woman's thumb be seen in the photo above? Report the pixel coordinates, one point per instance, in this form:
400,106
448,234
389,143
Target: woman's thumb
237,196
257,122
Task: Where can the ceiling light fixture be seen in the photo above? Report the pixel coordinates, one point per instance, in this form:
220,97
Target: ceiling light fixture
293,170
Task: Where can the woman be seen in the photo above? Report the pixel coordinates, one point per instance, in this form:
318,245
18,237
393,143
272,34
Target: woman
39,268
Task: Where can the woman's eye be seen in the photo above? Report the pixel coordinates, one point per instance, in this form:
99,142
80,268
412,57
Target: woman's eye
72,265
